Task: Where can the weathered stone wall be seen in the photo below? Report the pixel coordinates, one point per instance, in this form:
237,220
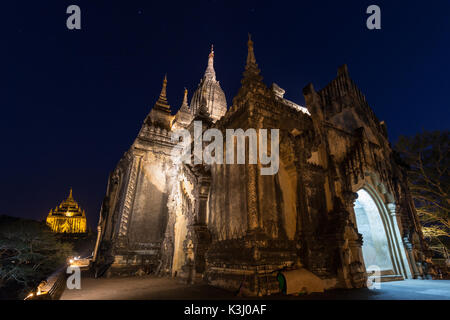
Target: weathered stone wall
149,211
227,202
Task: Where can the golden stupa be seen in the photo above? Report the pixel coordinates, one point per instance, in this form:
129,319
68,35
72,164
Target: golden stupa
67,217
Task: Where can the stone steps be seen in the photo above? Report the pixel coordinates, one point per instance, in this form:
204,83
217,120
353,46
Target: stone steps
387,278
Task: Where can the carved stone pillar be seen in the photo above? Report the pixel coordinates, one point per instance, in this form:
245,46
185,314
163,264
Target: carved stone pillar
204,185
353,266
252,198
404,265
349,203
202,238
412,262
127,205
97,243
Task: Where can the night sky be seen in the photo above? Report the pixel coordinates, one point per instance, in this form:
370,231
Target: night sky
73,101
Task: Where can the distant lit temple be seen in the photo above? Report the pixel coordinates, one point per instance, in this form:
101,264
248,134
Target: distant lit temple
68,217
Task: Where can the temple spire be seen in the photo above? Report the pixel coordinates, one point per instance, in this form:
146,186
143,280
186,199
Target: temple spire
162,100
251,60
160,115
162,95
70,194
183,117
210,73
185,102
251,68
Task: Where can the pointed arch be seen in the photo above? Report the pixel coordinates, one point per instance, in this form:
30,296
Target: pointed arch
384,236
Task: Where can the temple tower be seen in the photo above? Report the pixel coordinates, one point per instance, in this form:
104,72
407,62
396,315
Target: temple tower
134,213
68,217
236,228
209,94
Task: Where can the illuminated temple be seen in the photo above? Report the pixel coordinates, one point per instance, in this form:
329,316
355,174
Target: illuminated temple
338,208
68,217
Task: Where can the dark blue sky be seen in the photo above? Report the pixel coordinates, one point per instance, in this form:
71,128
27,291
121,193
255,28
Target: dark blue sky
72,102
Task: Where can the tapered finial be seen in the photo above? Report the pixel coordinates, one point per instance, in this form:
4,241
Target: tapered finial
210,73
185,97
162,95
162,103
252,71
251,60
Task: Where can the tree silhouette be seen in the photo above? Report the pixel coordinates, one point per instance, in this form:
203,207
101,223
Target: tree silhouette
427,155
29,252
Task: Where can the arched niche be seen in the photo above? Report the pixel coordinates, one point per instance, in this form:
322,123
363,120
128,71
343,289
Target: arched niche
286,182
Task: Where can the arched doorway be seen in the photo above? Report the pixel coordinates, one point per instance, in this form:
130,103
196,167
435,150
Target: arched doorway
376,248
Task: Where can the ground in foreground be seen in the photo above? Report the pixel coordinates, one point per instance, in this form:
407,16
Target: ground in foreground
149,288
